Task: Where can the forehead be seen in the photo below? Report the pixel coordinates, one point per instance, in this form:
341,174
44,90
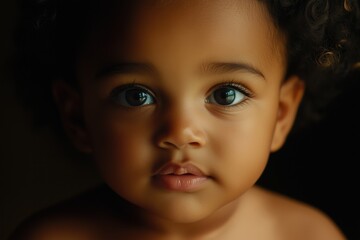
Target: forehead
212,30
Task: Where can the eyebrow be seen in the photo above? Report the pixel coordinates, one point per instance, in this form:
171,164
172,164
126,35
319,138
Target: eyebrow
145,68
229,67
126,68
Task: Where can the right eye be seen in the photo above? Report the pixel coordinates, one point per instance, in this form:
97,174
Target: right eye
132,96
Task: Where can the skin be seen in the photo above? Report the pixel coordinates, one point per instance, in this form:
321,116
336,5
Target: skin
129,143
183,124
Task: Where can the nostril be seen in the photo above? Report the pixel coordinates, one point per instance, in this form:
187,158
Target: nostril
169,144
179,138
195,144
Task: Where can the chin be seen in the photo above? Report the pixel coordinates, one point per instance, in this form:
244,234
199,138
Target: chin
186,218
182,212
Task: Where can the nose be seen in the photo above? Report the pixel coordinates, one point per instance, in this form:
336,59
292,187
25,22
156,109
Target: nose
181,129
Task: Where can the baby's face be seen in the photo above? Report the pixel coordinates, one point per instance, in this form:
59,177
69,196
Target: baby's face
181,102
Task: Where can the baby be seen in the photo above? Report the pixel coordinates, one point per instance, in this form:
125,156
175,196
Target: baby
180,103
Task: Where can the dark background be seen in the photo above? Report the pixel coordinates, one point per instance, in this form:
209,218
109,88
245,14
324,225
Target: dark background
318,167
35,170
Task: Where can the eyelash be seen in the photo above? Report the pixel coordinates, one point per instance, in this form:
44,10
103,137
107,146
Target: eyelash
238,86
114,93
227,83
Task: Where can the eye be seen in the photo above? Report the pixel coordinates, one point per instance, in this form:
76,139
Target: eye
132,96
227,95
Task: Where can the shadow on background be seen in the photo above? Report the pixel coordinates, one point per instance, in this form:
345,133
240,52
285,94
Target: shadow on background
35,170
318,167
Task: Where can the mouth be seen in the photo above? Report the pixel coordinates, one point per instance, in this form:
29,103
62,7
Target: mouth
181,178
174,169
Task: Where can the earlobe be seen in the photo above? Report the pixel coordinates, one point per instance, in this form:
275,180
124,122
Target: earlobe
291,93
69,103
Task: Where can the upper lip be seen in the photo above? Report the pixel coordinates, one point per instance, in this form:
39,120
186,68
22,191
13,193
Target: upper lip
180,169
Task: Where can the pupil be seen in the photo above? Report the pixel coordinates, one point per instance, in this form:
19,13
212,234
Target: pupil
136,97
225,96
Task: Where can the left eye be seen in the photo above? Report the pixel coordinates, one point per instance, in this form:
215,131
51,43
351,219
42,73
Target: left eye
132,96
226,96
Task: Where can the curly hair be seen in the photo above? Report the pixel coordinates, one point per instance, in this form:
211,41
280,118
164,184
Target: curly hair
322,49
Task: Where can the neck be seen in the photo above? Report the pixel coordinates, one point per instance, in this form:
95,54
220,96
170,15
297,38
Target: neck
213,225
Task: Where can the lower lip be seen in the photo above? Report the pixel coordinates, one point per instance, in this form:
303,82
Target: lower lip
181,183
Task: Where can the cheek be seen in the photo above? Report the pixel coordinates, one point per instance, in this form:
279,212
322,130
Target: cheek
115,134
242,148
121,149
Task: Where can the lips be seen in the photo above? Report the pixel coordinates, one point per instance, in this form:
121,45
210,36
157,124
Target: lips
182,178
180,170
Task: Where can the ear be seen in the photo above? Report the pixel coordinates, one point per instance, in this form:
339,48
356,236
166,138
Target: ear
291,93
69,103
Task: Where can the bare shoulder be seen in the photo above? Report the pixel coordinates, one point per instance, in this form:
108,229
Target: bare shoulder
51,227
298,220
82,217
